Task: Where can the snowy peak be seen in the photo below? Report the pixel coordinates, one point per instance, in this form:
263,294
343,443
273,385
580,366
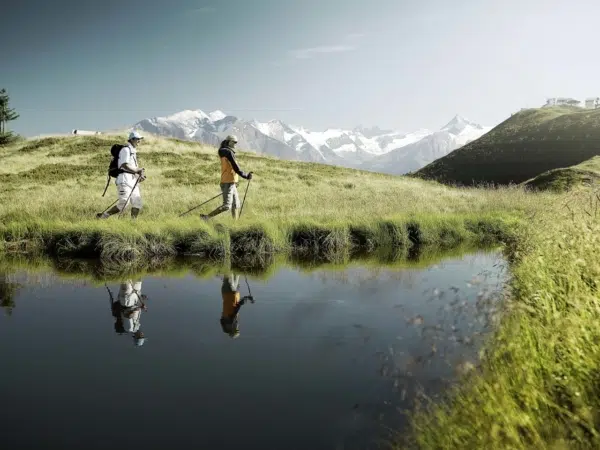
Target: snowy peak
371,132
187,115
459,124
216,115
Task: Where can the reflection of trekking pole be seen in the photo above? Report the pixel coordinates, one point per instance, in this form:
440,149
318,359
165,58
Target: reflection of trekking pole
134,186
195,207
243,201
111,299
249,291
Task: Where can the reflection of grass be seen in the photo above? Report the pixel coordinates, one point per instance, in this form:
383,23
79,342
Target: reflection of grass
8,290
258,268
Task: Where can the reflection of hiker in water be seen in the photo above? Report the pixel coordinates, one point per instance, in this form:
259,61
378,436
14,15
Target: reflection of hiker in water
128,309
232,304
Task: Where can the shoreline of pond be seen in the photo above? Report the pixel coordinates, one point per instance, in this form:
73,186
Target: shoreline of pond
255,244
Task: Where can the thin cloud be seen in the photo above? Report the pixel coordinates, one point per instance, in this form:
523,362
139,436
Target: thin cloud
203,10
352,36
306,53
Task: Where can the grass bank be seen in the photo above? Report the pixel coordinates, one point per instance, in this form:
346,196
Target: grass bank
538,383
52,187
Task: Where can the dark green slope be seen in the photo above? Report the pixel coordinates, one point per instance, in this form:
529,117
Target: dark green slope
527,144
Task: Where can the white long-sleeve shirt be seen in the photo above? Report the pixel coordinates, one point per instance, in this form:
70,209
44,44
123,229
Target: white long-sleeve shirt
127,155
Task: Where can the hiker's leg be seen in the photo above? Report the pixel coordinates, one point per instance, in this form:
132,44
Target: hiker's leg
227,200
136,202
235,206
110,212
123,192
235,282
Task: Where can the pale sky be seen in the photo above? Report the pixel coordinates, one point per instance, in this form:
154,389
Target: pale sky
97,65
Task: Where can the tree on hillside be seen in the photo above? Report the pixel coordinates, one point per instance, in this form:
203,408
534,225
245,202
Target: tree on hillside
6,115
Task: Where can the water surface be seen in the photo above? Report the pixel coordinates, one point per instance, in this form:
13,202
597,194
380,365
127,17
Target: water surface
320,360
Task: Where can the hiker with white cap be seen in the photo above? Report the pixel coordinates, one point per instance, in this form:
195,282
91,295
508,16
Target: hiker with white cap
229,179
128,179
132,303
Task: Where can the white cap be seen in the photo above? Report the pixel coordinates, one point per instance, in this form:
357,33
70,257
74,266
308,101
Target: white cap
135,135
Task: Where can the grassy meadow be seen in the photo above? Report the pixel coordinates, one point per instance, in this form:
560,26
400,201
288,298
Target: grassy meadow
52,188
537,383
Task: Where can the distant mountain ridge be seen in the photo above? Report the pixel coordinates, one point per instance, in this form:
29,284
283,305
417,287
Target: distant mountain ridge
388,151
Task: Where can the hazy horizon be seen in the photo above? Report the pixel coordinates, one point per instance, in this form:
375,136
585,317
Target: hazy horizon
336,64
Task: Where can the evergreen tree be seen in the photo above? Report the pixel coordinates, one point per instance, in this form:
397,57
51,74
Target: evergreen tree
6,115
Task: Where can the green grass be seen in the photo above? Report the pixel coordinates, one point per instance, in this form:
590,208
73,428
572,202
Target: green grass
538,382
52,187
527,144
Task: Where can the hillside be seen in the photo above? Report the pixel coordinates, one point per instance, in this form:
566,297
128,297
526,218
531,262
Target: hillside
564,179
48,173
527,144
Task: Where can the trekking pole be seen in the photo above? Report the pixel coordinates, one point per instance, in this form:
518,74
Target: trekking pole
195,207
107,183
244,200
109,206
127,201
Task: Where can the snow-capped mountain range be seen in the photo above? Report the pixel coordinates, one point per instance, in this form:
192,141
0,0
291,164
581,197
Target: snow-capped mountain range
387,151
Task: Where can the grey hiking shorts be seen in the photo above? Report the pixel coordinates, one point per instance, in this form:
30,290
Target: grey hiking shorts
231,198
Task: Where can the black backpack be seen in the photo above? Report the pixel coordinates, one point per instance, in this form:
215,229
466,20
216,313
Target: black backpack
113,167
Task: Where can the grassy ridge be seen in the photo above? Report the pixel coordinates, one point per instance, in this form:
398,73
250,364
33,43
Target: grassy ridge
564,179
52,188
525,145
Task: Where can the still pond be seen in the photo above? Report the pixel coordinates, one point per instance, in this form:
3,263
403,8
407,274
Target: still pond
313,360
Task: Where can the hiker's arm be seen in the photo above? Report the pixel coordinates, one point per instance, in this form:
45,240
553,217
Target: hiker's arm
235,166
126,167
124,162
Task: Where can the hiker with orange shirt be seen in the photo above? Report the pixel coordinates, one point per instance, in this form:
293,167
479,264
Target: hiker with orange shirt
232,304
229,179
